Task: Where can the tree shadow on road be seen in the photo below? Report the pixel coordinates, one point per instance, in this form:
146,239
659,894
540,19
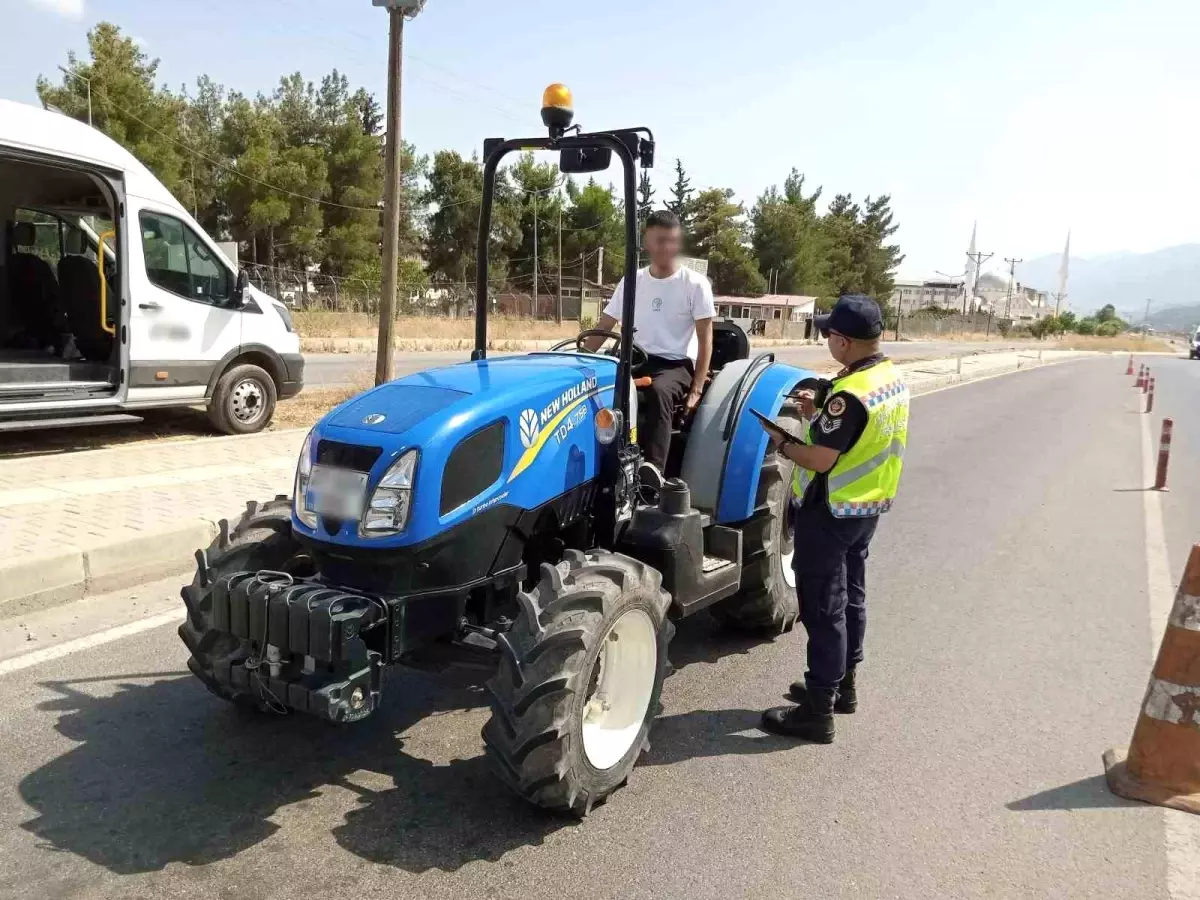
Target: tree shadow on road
165,773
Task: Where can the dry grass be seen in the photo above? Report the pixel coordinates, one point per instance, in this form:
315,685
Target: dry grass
325,324
1125,343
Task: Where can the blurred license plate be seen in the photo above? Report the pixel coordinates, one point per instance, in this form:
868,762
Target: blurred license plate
337,493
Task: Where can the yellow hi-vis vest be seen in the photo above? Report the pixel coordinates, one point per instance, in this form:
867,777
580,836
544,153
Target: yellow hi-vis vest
863,481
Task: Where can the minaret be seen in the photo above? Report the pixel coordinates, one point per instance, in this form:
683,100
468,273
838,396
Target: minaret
1063,270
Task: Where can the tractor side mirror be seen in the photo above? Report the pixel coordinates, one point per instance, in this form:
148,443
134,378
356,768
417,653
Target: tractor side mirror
580,160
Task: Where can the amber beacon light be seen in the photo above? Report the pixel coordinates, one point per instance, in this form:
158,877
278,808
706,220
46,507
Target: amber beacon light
558,106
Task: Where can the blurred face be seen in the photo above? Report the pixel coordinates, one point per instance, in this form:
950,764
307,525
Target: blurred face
663,246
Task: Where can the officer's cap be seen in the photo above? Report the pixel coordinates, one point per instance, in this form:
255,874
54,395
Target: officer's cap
855,316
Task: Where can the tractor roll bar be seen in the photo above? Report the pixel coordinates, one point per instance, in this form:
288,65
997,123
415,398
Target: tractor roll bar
495,152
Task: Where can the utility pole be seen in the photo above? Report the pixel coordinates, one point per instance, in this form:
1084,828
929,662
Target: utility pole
86,81
558,317
1012,269
533,310
977,259
600,267
398,10
582,282
1146,315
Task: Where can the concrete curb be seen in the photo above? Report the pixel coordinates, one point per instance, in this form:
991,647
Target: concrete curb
33,584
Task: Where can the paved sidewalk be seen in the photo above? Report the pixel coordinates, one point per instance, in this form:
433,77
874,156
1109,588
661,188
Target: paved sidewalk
78,523
75,523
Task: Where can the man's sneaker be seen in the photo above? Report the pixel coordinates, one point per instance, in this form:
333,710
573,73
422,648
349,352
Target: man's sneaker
847,696
650,476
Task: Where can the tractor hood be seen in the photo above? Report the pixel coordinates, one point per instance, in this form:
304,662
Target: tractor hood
537,411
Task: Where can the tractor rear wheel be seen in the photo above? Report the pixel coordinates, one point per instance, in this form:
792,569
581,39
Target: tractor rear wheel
767,599
579,681
261,539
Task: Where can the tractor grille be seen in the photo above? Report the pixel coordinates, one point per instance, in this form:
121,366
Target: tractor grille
347,456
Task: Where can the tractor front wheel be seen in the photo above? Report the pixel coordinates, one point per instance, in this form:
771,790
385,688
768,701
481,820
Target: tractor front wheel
261,539
579,680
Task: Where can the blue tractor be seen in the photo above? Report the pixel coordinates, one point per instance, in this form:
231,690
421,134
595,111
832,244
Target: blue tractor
492,510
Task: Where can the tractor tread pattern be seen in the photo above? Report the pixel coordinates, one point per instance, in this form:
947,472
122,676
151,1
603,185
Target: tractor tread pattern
764,603
535,690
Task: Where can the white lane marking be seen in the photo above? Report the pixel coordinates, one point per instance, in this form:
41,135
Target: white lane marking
1181,830
25,660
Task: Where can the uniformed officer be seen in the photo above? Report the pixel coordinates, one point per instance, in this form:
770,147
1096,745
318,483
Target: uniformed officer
846,476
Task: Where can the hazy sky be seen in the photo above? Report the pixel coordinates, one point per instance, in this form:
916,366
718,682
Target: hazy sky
1031,116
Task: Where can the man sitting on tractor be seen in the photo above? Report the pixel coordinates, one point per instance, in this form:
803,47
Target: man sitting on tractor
673,319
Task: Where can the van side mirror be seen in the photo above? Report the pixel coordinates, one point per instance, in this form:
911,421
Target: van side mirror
239,290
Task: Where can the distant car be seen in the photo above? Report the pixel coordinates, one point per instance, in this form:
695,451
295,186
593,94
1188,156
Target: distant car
1194,351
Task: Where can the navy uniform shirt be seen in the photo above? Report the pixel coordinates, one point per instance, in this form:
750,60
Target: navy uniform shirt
838,426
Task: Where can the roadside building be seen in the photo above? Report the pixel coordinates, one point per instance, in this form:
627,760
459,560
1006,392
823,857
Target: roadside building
910,295
771,315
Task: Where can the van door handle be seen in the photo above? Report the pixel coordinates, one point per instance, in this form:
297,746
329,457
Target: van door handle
150,305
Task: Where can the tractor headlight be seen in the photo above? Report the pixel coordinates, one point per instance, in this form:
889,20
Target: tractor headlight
387,513
608,425
303,474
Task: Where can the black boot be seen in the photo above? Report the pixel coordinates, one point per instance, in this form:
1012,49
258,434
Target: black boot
812,720
847,699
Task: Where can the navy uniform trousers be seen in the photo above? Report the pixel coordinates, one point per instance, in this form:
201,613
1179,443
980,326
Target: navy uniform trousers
830,563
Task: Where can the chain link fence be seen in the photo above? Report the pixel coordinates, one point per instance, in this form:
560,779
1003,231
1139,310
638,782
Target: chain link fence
512,297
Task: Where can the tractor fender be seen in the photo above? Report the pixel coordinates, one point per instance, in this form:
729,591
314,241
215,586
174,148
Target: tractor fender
726,444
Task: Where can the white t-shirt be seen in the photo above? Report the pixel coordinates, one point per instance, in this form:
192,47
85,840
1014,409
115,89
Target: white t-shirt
666,310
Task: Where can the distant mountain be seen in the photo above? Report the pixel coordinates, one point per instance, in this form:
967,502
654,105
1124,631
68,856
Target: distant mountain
1170,277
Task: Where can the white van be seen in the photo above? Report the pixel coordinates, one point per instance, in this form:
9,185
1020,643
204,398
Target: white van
157,317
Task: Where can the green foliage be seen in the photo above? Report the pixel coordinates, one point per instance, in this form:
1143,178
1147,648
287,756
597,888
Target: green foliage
846,250
681,197
788,239
595,220
296,176
1067,321
1109,328
645,198
1106,313
1086,326
720,234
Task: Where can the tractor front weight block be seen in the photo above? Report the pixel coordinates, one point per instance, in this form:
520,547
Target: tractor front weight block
301,644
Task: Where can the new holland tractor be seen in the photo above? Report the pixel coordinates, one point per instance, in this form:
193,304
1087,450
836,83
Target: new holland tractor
492,510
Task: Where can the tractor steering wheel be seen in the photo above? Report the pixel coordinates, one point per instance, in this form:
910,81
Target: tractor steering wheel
639,357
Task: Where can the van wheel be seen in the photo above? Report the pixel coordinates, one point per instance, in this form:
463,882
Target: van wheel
243,401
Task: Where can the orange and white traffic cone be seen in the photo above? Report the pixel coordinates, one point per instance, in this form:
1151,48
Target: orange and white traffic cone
1129,368
1163,766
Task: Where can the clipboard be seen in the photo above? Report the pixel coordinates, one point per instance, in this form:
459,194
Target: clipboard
775,429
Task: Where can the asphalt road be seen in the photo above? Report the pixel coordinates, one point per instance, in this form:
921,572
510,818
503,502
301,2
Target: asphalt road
1009,645
342,369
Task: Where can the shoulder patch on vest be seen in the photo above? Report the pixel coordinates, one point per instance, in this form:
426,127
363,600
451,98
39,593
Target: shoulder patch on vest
837,406
829,425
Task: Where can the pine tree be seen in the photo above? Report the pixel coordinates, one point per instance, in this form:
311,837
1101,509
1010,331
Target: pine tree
681,198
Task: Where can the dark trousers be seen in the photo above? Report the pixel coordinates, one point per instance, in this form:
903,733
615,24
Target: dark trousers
831,582
670,381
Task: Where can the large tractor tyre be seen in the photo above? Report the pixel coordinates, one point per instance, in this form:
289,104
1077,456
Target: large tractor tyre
243,400
767,600
579,681
261,539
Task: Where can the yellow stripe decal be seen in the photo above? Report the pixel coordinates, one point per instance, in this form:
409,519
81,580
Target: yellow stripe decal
530,455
